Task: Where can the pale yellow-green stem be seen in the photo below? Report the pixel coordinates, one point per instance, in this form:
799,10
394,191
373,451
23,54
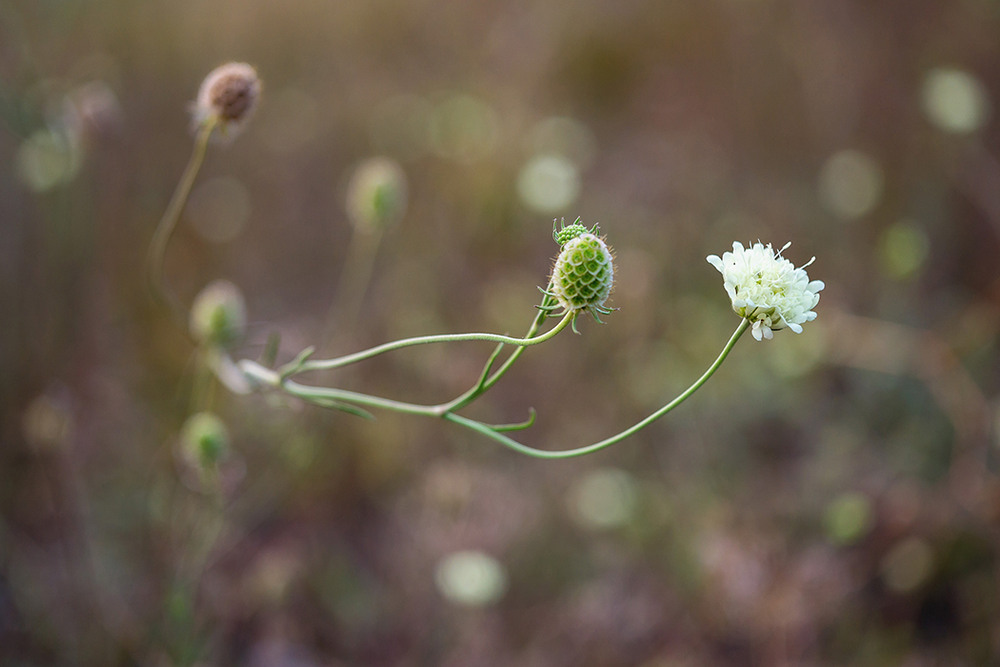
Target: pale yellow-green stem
168,223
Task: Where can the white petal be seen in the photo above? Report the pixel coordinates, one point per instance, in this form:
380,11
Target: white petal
767,288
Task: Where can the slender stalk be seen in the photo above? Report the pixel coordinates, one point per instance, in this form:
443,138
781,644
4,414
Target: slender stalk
321,395
239,378
488,381
264,376
327,364
351,397
355,279
607,442
165,229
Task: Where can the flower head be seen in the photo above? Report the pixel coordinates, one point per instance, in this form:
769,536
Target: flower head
767,289
566,233
376,194
583,274
219,314
204,440
228,97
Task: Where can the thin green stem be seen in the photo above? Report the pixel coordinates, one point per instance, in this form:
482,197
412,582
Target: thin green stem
161,237
328,364
259,375
488,381
240,376
607,442
355,279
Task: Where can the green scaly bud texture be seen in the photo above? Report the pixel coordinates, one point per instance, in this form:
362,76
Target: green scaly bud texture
583,273
566,234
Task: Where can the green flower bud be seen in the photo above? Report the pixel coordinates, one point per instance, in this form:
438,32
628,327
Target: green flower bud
583,274
567,233
204,441
376,194
218,315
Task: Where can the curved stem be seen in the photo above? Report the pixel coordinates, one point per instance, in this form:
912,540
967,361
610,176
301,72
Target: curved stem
165,229
327,364
240,378
607,442
352,397
488,381
257,374
262,376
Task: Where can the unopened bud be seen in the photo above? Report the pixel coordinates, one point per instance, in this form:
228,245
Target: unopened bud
583,274
204,441
218,315
376,194
228,97
565,233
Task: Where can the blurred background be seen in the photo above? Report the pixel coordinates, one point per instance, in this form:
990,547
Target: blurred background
827,498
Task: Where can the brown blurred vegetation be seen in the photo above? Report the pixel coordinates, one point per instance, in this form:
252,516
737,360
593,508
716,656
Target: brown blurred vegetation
828,498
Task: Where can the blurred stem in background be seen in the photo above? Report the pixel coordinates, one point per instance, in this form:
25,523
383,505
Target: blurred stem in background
376,200
168,223
226,100
199,519
353,285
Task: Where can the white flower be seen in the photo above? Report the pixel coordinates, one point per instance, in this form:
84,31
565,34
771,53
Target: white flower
767,289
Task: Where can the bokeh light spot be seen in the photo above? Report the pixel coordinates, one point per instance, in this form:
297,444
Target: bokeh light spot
955,101
907,564
471,578
904,249
47,423
848,518
604,498
548,183
47,159
464,128
850,184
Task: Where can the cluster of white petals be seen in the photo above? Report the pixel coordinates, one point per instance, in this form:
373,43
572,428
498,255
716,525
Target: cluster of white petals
767,289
